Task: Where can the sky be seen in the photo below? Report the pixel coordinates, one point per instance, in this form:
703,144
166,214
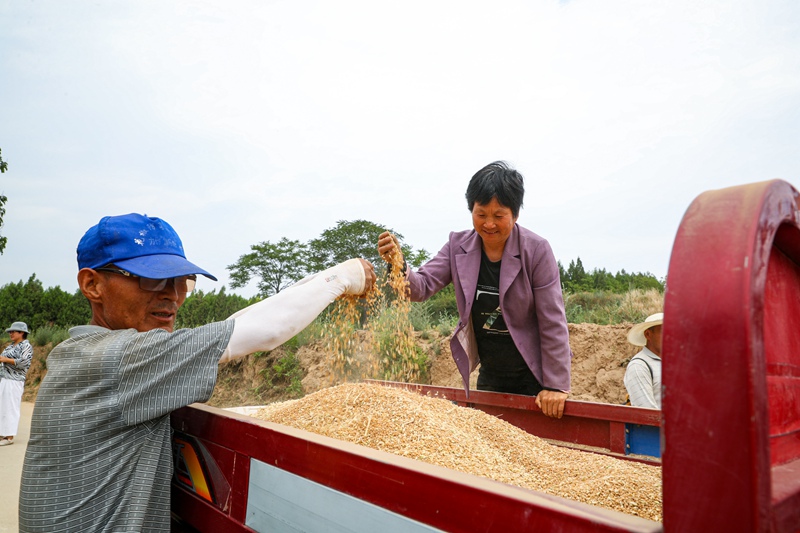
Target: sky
246,121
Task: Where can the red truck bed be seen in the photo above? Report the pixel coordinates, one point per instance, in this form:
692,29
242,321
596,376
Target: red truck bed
729,430
275,475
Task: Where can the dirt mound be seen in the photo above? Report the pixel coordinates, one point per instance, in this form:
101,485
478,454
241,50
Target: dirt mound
600,354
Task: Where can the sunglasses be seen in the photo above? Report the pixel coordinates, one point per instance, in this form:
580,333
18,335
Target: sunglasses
183,284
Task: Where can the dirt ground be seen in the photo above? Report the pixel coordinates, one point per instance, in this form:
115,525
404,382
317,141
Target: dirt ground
600,354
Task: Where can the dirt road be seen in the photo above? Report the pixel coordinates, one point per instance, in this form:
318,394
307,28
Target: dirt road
11,470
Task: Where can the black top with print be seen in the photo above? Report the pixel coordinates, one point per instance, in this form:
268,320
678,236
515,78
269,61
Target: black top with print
499,355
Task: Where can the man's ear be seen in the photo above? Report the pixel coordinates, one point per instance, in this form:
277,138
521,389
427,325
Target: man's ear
90,283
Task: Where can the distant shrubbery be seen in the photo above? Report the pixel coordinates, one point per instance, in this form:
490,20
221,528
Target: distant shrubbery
611,308
38,307
575,279
205,307
48,335
599,297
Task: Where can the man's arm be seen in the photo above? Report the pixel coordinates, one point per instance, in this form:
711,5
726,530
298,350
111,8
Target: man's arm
269,323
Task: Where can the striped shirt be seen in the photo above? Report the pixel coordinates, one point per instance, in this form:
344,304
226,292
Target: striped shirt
22,353
99,456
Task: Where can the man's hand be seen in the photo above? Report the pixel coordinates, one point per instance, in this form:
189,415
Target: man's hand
369,275
551,402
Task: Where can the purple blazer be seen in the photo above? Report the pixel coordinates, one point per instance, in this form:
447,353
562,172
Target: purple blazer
530,299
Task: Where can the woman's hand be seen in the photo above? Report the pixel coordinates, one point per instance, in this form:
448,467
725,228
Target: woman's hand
388,246
551,402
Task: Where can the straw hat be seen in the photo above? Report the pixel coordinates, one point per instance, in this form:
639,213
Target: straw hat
636,334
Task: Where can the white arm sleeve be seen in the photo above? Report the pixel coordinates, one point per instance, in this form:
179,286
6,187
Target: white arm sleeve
269,323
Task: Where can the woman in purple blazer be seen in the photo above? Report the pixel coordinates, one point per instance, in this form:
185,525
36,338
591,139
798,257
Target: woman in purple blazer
508,292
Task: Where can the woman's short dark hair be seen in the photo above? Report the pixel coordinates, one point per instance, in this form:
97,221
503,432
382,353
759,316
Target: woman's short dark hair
497,180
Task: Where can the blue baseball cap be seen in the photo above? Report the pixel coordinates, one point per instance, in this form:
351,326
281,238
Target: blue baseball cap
145,246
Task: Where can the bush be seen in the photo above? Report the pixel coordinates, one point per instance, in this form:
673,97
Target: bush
48,335
443,303
447,324
638,304
420,316
286,373
601,307
313,332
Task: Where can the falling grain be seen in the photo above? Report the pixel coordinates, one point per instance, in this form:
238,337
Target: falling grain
383,316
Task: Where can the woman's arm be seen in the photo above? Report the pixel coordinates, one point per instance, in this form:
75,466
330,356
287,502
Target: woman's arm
429,279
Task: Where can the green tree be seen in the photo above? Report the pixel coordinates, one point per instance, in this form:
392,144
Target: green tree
21,301
275,266
357,238
575,279
346,240
3,200
415,258
60,308
31,303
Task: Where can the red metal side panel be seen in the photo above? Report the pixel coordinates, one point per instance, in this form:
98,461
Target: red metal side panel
717,465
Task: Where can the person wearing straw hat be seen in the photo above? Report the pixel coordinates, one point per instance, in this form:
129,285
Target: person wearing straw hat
99,456
643,374
15,362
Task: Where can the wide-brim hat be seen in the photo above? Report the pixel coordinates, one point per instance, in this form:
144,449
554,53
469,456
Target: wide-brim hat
636,334
144,246
18,326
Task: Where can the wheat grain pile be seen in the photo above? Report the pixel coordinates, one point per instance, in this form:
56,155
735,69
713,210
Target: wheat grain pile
439,432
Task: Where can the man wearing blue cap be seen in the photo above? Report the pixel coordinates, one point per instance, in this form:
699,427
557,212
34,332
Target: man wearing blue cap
99,455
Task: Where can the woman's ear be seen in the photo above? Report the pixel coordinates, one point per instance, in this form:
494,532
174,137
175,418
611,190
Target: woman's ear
90,283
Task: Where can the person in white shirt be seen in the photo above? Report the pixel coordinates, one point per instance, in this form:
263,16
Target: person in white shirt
643,374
